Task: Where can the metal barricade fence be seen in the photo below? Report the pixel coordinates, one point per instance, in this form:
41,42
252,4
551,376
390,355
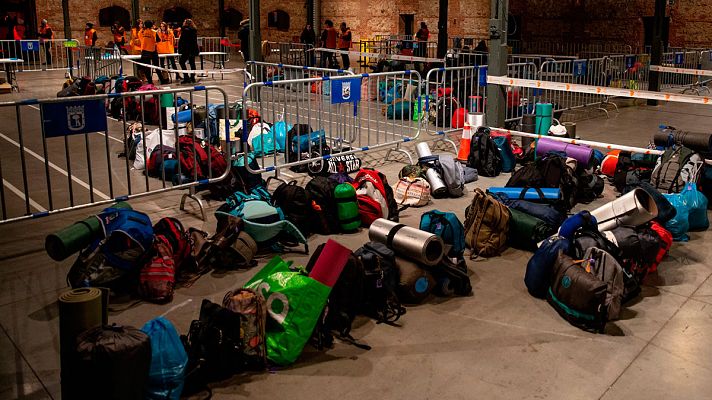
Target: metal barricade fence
288,53
96,61
679,59
265,71
349,114
629,71
36,55
211,43
60,154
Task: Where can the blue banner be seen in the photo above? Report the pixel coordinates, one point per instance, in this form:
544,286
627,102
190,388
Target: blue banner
629,61
483,76
580,68
679,58
346,91
73,117
30,45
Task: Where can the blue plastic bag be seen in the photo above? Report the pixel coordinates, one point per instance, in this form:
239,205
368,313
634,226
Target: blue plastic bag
280,129
505,150
263,144
168,361
680,224
697,203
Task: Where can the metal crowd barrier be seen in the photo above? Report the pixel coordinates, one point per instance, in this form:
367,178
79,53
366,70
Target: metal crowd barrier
37,56
347,114
265,71
288,53
679,59
96,61
60,154
629,71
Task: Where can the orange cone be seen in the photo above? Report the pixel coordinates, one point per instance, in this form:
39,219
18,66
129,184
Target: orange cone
465,143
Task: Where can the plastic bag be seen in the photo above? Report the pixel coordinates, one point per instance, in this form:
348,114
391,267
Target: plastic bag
697,203
680,224
168,361
294,304
280,129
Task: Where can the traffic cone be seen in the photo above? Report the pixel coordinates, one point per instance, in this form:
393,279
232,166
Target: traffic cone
465,143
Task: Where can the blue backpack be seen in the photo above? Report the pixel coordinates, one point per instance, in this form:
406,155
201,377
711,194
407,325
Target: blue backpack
505,150
448,227
540,267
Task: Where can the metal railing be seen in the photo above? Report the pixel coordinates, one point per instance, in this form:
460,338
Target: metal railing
60,154
288,53
341,115
96,61
37,55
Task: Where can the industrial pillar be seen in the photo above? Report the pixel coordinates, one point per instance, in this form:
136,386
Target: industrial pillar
67,24
255,34
497,94
442,28
316,17
135,12
221,17
656,51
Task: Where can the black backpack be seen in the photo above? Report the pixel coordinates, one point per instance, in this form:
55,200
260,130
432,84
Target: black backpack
548,172
666,176
295,204
590,186
484,155
324,214
381,279
344,304
238,180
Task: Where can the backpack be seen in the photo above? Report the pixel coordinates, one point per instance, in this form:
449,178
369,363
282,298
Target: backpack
544,212
440,114
577,295
159,162
400,110
111,362
157,280
665,243
484,155
238,180
453,174
193,158
324,216
590,186
344,304
486,225
666,176
525,231
448,227
540,267
295,204
252,309
380,183
173,231
151,110
125,107
380,283
412,192
550,171
127,84
606,268
505,153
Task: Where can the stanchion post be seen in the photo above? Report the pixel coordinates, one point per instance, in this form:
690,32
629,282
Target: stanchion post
442,28
656,53
497,95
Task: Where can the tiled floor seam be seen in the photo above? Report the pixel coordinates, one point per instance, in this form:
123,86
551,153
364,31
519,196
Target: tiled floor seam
649,342
17,349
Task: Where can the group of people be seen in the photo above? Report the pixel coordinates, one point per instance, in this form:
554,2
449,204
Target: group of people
149,42
330,38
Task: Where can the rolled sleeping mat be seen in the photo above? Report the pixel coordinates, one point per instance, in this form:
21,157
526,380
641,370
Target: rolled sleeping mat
634,208
581,154
425,157
77,236
532,194
347,207
423,247
544,114
529,126
79,310
476,120
330,263
697,141
415,282
423,150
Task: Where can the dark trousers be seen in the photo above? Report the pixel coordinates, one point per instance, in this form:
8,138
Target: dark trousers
171,64
48,54
191,61
149,57
345,59
328,59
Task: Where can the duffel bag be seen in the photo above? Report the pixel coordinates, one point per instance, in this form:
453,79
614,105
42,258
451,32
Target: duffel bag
541,266
526,231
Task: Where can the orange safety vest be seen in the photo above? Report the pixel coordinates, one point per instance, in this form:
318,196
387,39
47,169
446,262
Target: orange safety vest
148,40
118,35
89,36
166,46
19,32
135,40
43,31
343,43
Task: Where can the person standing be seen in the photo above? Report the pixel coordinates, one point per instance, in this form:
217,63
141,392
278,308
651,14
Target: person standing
422,37
46,34
119,34
136,37
345,44
244,36
188,49
328,40
308,39
90,36
167,46
149,50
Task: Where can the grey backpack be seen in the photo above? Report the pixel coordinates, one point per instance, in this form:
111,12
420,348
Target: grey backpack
453,174
605,267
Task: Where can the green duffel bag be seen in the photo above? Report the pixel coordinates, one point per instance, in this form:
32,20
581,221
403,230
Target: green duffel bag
525,231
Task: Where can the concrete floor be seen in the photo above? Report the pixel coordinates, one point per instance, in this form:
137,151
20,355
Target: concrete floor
499,343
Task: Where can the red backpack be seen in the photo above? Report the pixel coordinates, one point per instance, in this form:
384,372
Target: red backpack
380,182
157,280
218,162
665,243
192,165
172,230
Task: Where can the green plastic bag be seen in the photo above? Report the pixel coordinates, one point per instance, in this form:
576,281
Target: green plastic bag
294,303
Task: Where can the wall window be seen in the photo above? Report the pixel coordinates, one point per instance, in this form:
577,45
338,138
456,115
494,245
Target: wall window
109,15
176,14
232,18
278,19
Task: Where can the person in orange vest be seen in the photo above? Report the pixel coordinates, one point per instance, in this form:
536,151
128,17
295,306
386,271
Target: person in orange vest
90,36
119,34
46,34
136,37
167,46
149,50
18,31
328,40
345,44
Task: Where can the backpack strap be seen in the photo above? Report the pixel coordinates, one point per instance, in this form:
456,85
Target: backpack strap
526,188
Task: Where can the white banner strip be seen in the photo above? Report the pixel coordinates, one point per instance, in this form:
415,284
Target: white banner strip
381,55
685,71
602,90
